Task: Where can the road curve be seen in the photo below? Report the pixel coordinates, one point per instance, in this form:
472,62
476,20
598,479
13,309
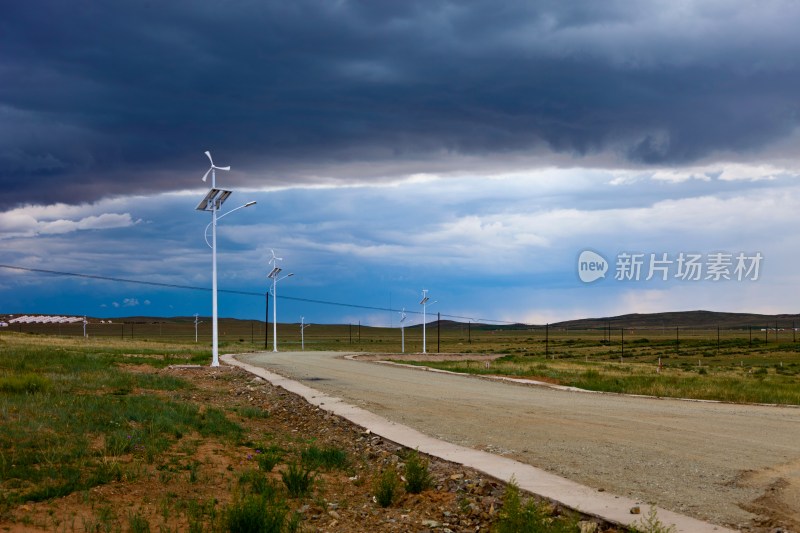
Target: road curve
707,460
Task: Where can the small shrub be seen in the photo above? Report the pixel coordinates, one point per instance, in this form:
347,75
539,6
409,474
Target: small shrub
255,513
193,468
138,523
298,480
324,458
651,524
418,478
387,487
529,516
253,412
268,460
259,483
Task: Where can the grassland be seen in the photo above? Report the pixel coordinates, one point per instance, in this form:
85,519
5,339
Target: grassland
79,415
731,368
98,435
736,364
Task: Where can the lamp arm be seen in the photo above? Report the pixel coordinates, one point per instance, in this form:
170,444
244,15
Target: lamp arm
219,217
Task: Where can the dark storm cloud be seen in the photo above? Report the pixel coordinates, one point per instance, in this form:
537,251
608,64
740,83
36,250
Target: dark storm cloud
101,99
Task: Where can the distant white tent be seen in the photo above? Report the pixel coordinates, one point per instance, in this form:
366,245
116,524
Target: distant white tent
45,319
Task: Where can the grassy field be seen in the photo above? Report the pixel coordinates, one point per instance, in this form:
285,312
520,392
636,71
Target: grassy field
702,365
81,413
96,435
753,365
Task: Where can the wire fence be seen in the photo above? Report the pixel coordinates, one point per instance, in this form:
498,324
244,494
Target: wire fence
447,336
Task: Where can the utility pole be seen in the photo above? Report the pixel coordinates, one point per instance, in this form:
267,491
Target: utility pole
438,332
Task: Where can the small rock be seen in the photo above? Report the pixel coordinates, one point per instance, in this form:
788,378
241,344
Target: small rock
431,523
636,510
587,526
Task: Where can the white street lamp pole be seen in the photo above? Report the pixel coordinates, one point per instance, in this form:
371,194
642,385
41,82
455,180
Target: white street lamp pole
275,312
303,327
274,276
214,320
424,303
212,202
214,315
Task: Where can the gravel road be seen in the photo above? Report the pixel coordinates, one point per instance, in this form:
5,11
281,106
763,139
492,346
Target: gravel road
736,465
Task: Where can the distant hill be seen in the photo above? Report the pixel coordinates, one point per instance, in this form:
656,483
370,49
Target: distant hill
694,319
704,319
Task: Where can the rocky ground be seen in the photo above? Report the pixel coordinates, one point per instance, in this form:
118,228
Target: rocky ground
198,476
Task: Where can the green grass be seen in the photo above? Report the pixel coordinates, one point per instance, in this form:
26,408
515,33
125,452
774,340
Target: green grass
387,487
256,513
25,383
268,457
298,480
680,377
68,408
418,478
530,516
315,458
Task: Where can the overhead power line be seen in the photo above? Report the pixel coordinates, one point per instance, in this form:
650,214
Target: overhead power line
230,291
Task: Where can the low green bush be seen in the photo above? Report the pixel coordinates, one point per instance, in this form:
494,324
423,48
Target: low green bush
298,480
332,458
387,487
418,478
255,513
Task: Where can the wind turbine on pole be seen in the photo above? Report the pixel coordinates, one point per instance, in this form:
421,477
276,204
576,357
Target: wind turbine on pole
273,275
213,170
212,202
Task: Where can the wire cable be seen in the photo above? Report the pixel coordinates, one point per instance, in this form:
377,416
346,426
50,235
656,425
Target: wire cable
242,293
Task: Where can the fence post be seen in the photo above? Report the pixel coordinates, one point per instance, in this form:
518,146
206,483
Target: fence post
546,340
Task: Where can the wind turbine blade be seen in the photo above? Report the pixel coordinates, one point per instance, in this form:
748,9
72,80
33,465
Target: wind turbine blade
207,173
208,155
223,168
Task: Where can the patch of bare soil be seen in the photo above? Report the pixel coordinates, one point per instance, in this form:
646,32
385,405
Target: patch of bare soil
198,476
778,506
427,357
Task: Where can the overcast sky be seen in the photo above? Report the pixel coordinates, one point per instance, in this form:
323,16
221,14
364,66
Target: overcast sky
474,149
